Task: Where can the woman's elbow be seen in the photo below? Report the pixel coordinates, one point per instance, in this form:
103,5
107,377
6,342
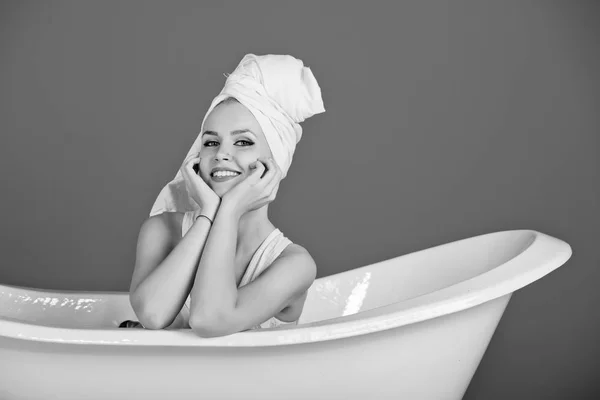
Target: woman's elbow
148,320
210,327
151,322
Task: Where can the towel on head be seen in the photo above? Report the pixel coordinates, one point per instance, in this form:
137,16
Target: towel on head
280,92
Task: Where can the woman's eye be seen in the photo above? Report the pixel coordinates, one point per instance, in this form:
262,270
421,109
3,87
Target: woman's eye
207,143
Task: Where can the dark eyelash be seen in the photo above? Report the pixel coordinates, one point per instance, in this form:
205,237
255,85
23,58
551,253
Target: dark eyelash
241,140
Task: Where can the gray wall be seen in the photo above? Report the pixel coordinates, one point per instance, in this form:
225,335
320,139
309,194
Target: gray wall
445,120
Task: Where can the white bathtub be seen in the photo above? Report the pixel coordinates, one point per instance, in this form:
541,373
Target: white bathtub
412,327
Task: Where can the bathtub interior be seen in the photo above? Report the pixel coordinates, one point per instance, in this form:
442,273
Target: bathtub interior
346,293
411,275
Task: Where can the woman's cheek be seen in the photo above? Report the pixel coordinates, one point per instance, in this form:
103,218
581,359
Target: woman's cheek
204,169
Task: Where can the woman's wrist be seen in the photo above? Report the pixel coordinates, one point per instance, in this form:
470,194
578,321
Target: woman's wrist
210,211
202,216
229,208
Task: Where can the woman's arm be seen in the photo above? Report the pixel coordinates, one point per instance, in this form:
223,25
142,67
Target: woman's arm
163,274
214,291
218,307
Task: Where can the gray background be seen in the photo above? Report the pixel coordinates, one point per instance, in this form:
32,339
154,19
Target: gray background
445,120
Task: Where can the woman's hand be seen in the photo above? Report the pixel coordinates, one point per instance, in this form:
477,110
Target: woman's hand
199,190
255,190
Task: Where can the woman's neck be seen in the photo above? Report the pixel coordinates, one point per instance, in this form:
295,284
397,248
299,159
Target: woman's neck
254,226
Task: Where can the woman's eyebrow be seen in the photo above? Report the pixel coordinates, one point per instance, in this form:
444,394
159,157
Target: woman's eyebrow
236,132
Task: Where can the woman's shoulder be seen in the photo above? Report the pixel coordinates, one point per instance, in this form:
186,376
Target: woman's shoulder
168,222
167,218
296,250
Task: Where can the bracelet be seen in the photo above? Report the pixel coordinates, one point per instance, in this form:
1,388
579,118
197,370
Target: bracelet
202,215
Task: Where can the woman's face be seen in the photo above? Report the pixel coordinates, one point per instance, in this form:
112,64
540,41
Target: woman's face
232,139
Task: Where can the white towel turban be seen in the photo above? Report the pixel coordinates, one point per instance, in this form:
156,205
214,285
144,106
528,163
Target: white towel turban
280,92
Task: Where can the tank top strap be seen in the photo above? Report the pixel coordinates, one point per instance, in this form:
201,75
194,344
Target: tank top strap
264,256
267,252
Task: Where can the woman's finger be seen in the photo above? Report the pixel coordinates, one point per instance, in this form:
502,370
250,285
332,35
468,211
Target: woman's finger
275,176
185,163
190,164
276,168
257,171
273,170
192,159
191,155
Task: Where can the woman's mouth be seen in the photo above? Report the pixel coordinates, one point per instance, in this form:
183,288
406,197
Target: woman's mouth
222,177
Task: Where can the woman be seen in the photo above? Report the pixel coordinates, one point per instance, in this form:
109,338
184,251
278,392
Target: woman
208,257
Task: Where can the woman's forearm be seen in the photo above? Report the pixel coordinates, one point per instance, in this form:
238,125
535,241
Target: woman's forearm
214,292
161,295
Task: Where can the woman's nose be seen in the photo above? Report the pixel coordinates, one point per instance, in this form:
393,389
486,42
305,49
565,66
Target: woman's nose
222,154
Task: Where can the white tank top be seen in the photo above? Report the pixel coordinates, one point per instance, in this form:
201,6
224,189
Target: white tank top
266,253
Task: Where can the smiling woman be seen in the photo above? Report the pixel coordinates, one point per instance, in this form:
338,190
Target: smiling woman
209,258
242,138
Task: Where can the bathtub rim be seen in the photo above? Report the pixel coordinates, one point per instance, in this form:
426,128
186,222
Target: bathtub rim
543,255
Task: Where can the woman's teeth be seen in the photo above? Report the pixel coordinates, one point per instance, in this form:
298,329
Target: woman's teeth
225,173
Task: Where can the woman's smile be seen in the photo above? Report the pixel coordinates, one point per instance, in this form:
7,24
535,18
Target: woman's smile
224,176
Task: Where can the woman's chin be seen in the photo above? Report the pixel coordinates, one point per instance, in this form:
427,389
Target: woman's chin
219,189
